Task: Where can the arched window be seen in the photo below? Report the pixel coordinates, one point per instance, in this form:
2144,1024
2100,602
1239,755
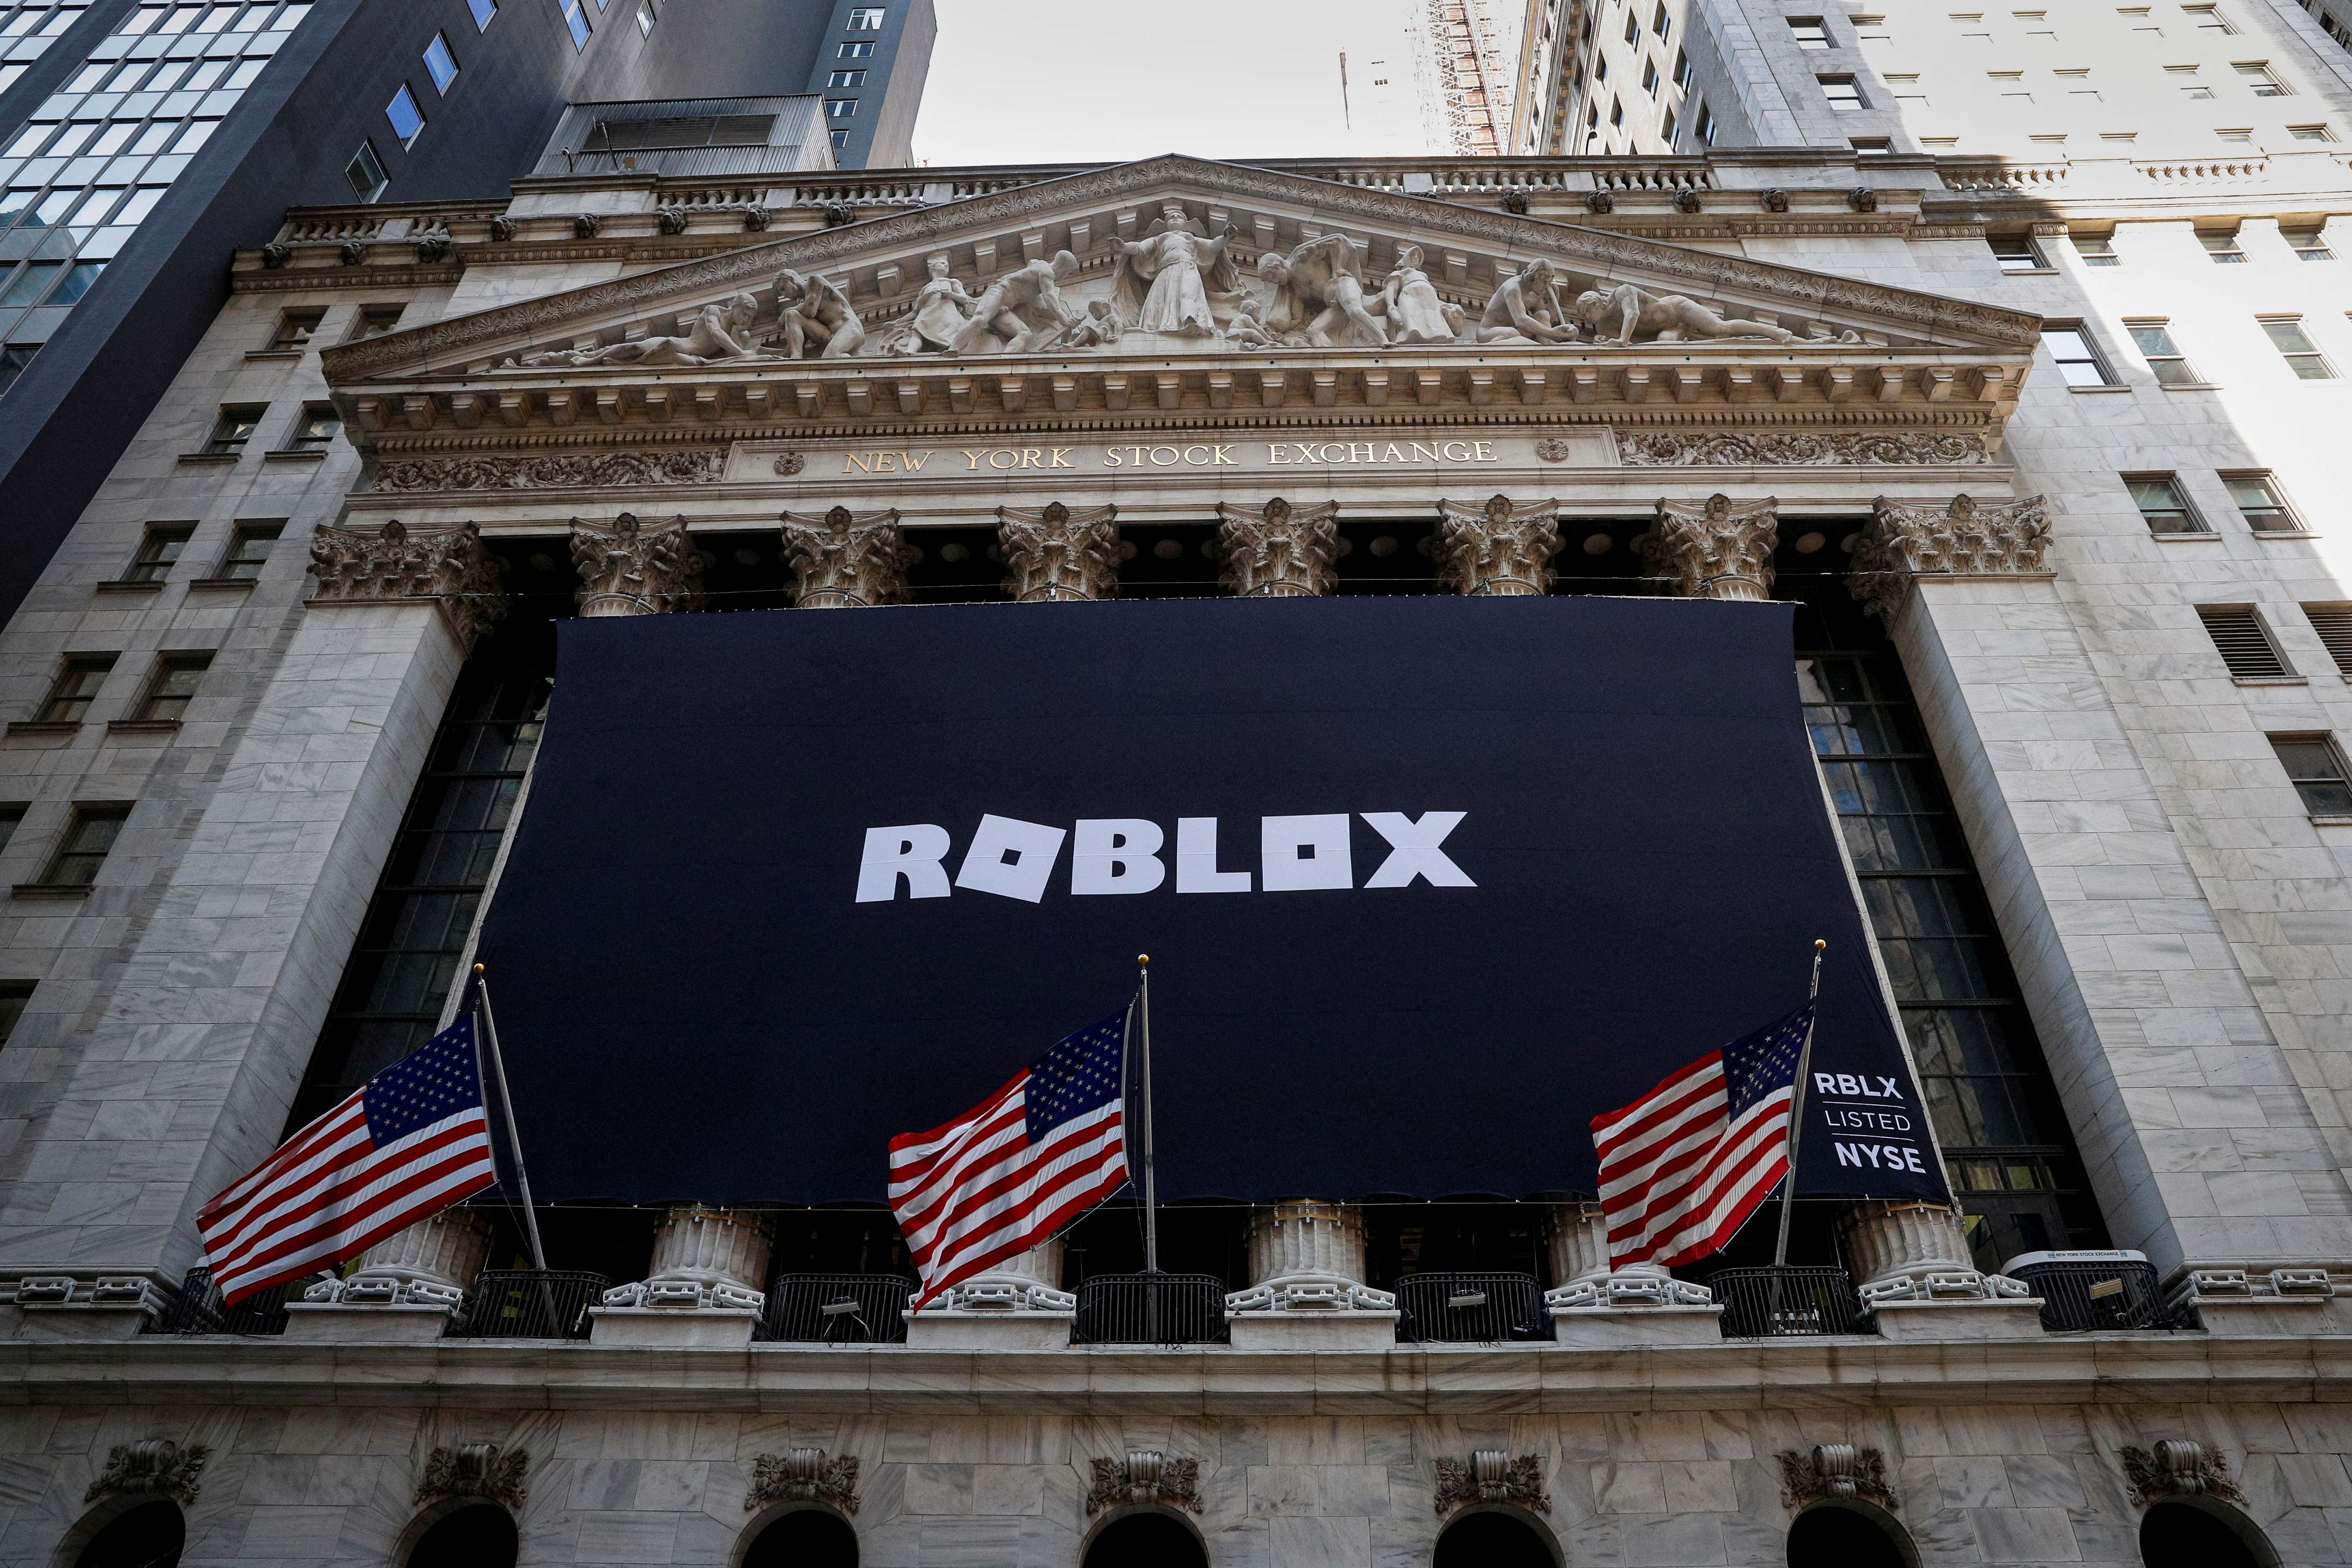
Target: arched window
1147,1541
1837,1536
149,1535
475,1535
804,1538
2185,1534
1493,1540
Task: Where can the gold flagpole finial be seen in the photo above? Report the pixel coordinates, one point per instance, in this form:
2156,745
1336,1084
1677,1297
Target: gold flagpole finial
1144,959
481,969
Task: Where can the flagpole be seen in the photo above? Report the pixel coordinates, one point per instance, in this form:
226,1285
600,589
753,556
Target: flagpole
1150,1189
1797,1112
506,1104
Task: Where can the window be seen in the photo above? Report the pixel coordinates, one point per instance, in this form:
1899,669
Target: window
374,320
14,360
2078,360
840,108
2259,78
2235,133
158,552
316,429
1666,127
295,328
2161,504
2309,242
1842,92
2262,503
854,52
2243,643
440,64
1683,70
235,427
171,686
840,139
248,547
2286,335
89,835
1811,33
2016,253
847,78
483,11
1599,69
1662,24
2316,770
2221,245
76,687
2163,357
645,18
1649,75
1706,125
866,19
13,994
1872,146
1633,28
2311,133
365,173
2208,19
407,122
576,19
2334,625
1616,112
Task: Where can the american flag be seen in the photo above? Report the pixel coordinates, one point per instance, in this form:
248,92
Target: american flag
409,1142
1029,1158
1684,1166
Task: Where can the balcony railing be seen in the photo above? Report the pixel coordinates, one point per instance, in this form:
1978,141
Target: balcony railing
528,1304
837,1309
1782,1303
1150,1310
2078,1297
199,1309
1471,1309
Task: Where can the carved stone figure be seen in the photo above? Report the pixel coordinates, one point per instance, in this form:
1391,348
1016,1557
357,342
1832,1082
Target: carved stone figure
1022,310
1148,1477
1662,318
1410,303
1244,332
943,307
805,1475
1318,296
157,1466
1905,542
1498,550
1098,327
721,331
847,561
445,566
2178,1468
1279,551
1057,554
1492,1476
1835,1470
629,570
1163,281
1715,550
1744,449
475,1470
554,470
816,311
1525,308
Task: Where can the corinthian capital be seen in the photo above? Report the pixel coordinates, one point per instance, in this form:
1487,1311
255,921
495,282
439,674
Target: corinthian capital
1056,554
632,569
1279,551
1502,548
1715,550
847,561
1966,539
392,565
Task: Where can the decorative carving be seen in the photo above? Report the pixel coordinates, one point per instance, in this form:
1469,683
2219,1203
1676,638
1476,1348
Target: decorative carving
1687,201
1501,549
1775,200
631,569
721,331
1148,1477
502,228
847,561
803,1475
942,308
353,253
1056,554
276,254
1279,551
756,218
475,1470
1162,282
1600,202
2178,1468
1916,1252
704,1259
447,565
1715,550
1492,1476
1318,296
670,220
1410,303
1662,318
1026,1282
1525,308
1306,1256
562,470
1580,1262
1515,202
791,463
429,1264
1022,310
1862,199
1552,449
816,312
1835,1470
433,249
1761,448
157,1467
838,214
1905,542
587,226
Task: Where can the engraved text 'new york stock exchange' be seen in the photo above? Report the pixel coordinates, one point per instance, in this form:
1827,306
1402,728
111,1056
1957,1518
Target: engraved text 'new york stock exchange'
1192,455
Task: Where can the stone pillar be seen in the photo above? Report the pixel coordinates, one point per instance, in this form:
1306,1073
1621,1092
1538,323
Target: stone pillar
703,1257
847,561
1055,553
1966,539
1909,1251
1029,1283
1279,551
1582,1275
1306,1256
1501,549
1715,550
631,569
431,1263
447,567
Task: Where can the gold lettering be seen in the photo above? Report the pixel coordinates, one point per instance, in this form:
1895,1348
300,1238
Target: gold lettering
885,462
1393,455
1460,457
1274,458
1425,450
970,458
1110,457
1174,456
1011,459
1363,447
1030,456
1331,446
914,461
1194,461
1223,455
1486,450
1135,456
1062,458
857,461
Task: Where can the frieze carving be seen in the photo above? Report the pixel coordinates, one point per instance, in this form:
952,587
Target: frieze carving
276,254
847,561
1501,549
2178,1468
1717,549
1515,202
631,569
756,218
555,470
791,463
434,248
1967,538
353,253
1834,1472
1552,449
1146,1476
158,1468
1492,1476
803,1475
1055,553
1775,200
1863,199
1775,448
475,1470
447,565
670,220
1687,201
1600,202
587,226
502,228
1279,551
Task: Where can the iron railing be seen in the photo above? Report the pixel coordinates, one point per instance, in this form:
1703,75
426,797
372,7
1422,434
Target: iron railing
1778,1303
837,1309
528,1304
198,1308
2121,1294
1470,1309
1150,1310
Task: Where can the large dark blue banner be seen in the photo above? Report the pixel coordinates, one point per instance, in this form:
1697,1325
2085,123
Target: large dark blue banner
1427,884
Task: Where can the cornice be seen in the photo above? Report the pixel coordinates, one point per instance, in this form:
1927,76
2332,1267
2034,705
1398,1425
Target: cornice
289,279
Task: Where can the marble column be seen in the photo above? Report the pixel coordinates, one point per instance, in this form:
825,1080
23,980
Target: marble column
1279,551
431,1263
1963,540
1501,548
1031,1282
847,560
703,1257
1915,1252
629,569
1307,1255
1582,1275
1054,554
1714,549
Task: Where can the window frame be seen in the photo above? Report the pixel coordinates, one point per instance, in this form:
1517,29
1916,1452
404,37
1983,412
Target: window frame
2221,245
484,12
221,442
2029,251
2260,78
149,562
365,162
1857,104
407,98
2318,249
66,688
2191,520
2261,626
2339,777
866,19
2282,506
2093,356
440,83
576,22
1820,26
152,696
300,439
2335,634
67,854
2298,360
2101,248
240,534
2173,354
360,317
284,340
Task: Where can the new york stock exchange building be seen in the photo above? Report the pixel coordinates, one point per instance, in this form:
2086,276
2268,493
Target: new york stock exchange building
1475,630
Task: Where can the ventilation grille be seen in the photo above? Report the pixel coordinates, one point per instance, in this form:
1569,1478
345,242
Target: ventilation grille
2334,625
701,130
2244,645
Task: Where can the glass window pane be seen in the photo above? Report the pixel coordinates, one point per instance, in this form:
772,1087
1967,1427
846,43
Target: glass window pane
2289,337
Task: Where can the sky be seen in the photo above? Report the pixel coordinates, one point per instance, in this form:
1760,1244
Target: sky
1051,81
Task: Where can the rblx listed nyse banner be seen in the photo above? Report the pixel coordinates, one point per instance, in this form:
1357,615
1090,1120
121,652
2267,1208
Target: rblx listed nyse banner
1427,884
